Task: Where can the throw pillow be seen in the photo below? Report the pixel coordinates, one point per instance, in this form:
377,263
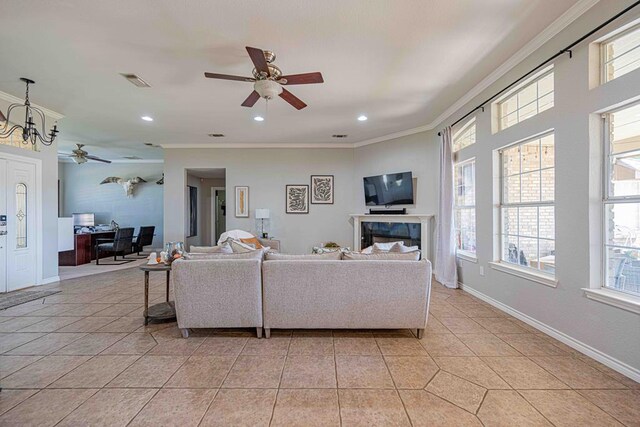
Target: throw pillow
385,247
272,256
224,248
252,241
403,249
383,256
235,235
239,247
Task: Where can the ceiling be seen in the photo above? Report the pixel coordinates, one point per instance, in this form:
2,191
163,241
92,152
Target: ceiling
402,63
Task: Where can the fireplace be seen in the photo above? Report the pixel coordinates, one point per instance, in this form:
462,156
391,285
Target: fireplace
383,232
412,229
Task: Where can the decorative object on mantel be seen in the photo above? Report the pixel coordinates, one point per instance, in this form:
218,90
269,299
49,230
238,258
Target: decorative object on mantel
322,189
128,184
263,214
30,132
297,201
242,201
80,156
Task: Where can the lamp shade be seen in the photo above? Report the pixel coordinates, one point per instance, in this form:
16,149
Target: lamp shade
262,213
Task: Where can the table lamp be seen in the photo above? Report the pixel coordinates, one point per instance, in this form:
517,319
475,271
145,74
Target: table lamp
262,214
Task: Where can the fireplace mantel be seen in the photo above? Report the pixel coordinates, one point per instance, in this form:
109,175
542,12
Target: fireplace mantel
423,219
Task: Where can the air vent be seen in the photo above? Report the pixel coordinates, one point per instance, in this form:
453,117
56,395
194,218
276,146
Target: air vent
132,158
216,135
149,144
339,135
135,80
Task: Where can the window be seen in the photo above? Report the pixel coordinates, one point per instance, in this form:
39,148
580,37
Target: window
15,140
621,54
527,212
533,98
465,207
21,216
622,200
465,136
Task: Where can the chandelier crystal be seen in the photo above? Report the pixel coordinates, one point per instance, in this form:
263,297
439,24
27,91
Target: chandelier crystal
33,116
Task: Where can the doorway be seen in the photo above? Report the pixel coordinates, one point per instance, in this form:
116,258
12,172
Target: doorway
219,213
19,233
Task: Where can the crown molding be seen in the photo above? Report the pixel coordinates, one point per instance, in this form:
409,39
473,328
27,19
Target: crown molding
258,145
141,161
566,19
15,100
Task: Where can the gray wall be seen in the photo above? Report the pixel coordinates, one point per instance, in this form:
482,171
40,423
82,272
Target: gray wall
82,192
266,172
610,330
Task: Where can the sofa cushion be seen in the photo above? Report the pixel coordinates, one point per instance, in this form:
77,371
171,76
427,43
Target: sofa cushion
335,255
257,254
383,256
224,248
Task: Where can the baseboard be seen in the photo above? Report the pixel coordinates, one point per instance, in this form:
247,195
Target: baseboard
605,359
51,279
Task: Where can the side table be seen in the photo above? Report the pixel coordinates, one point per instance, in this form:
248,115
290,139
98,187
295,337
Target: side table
162,311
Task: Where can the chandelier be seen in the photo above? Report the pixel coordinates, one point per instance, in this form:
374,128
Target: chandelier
32,117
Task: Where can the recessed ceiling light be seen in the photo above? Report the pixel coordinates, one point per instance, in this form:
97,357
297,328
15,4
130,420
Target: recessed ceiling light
147,118
362,118
258,119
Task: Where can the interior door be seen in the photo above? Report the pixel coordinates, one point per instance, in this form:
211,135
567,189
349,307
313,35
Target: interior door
20,199
3,225
221,213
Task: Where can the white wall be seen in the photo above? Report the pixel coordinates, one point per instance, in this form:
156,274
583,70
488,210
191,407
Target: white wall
612,331
82,192
266,172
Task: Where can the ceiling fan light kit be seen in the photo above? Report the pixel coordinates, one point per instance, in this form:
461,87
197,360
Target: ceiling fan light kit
268,80
33,117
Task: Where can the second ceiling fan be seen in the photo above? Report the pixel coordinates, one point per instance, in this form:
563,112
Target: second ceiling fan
268,80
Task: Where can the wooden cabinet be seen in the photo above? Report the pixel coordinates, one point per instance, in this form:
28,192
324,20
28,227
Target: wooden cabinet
84,249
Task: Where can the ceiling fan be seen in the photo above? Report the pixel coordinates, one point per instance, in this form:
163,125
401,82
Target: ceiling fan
268,80
80,156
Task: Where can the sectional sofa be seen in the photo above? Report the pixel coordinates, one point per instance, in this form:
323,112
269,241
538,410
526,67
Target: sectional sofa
303,293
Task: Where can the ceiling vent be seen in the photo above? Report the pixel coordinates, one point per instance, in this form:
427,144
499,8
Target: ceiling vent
149,144
339,135
216,135
135,80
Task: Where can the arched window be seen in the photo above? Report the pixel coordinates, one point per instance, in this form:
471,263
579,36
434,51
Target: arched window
21,216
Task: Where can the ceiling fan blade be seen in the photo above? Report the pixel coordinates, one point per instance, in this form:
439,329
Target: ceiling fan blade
303,79
257,57
229,77
97,159
251,99
292,99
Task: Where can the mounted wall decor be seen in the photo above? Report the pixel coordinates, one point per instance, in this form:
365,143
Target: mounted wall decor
297,197
242,201
193,211
322,189
129,184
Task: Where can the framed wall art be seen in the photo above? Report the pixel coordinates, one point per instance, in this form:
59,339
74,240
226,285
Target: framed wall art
322,189
297,199
242,201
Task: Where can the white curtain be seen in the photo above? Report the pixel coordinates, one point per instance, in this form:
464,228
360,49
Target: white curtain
445,269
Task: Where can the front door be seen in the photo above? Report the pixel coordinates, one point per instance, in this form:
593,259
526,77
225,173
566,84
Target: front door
18,256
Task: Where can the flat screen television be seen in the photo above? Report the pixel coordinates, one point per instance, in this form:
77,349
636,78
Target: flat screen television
389,189
83,219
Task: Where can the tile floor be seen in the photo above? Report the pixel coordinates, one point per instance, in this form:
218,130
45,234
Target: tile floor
83,357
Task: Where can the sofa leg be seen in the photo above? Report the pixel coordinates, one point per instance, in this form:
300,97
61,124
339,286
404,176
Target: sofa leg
420,333
259,331
267,332
185,332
